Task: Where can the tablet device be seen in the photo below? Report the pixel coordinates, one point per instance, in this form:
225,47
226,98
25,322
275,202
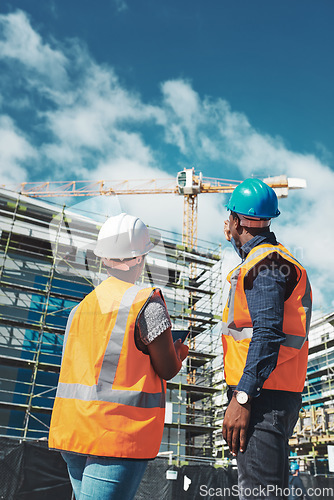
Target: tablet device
180,334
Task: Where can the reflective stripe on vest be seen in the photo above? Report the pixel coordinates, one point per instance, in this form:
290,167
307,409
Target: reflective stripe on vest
229,328
67,329
129,398
103,390
307,305
110,402
290,371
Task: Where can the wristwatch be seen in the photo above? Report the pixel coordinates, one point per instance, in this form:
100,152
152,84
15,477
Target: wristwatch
242,397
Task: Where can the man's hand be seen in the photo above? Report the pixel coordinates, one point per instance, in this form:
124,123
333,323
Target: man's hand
227,231
235,425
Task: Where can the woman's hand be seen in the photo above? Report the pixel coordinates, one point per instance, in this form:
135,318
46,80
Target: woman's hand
181,349
167,357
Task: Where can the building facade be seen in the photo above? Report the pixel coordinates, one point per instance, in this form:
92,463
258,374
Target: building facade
47,266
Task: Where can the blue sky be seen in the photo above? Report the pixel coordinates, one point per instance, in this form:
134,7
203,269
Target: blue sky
140,89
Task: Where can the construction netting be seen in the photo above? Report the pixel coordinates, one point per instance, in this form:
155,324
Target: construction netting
30,471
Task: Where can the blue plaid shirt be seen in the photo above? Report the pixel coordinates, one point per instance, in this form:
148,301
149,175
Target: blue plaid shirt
266,293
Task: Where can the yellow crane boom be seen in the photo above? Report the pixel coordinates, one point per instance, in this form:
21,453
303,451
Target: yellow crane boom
188,184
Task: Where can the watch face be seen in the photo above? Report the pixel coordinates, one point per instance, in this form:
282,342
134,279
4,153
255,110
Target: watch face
242,397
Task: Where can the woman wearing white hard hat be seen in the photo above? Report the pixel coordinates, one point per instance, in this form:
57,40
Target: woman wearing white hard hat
108,415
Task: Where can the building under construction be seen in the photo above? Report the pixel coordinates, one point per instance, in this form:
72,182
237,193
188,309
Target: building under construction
313,439
47,266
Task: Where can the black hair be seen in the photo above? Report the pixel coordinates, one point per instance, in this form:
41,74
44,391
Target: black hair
234,215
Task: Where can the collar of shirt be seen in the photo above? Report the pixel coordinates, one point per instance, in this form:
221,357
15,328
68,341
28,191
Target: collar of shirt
260,239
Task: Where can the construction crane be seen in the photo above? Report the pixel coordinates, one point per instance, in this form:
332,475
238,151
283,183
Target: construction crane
188,184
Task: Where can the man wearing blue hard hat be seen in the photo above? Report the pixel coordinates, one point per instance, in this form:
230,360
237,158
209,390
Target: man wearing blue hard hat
297,490
265,330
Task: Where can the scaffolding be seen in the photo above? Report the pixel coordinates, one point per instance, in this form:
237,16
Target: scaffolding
47,266
315,428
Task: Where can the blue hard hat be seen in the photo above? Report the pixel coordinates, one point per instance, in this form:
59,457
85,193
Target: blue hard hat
254,198
294,466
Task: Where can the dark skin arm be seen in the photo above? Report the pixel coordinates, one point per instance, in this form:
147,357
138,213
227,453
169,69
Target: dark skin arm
235,425
166,356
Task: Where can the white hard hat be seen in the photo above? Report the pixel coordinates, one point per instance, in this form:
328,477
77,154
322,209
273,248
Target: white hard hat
123,237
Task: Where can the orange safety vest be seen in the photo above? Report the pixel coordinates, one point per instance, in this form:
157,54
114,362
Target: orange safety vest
290,371
110,401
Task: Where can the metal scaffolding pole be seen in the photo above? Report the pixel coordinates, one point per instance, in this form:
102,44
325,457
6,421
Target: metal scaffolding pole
41,332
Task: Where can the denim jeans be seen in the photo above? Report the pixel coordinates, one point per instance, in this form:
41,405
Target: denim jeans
103,478
263,469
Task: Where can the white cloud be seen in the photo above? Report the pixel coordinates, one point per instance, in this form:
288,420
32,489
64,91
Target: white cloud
183,101
223,135
97,118
15,150
93,127
22,43
182,110
120,5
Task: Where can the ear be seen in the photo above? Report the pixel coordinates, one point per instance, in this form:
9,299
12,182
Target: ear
236,223
238,227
